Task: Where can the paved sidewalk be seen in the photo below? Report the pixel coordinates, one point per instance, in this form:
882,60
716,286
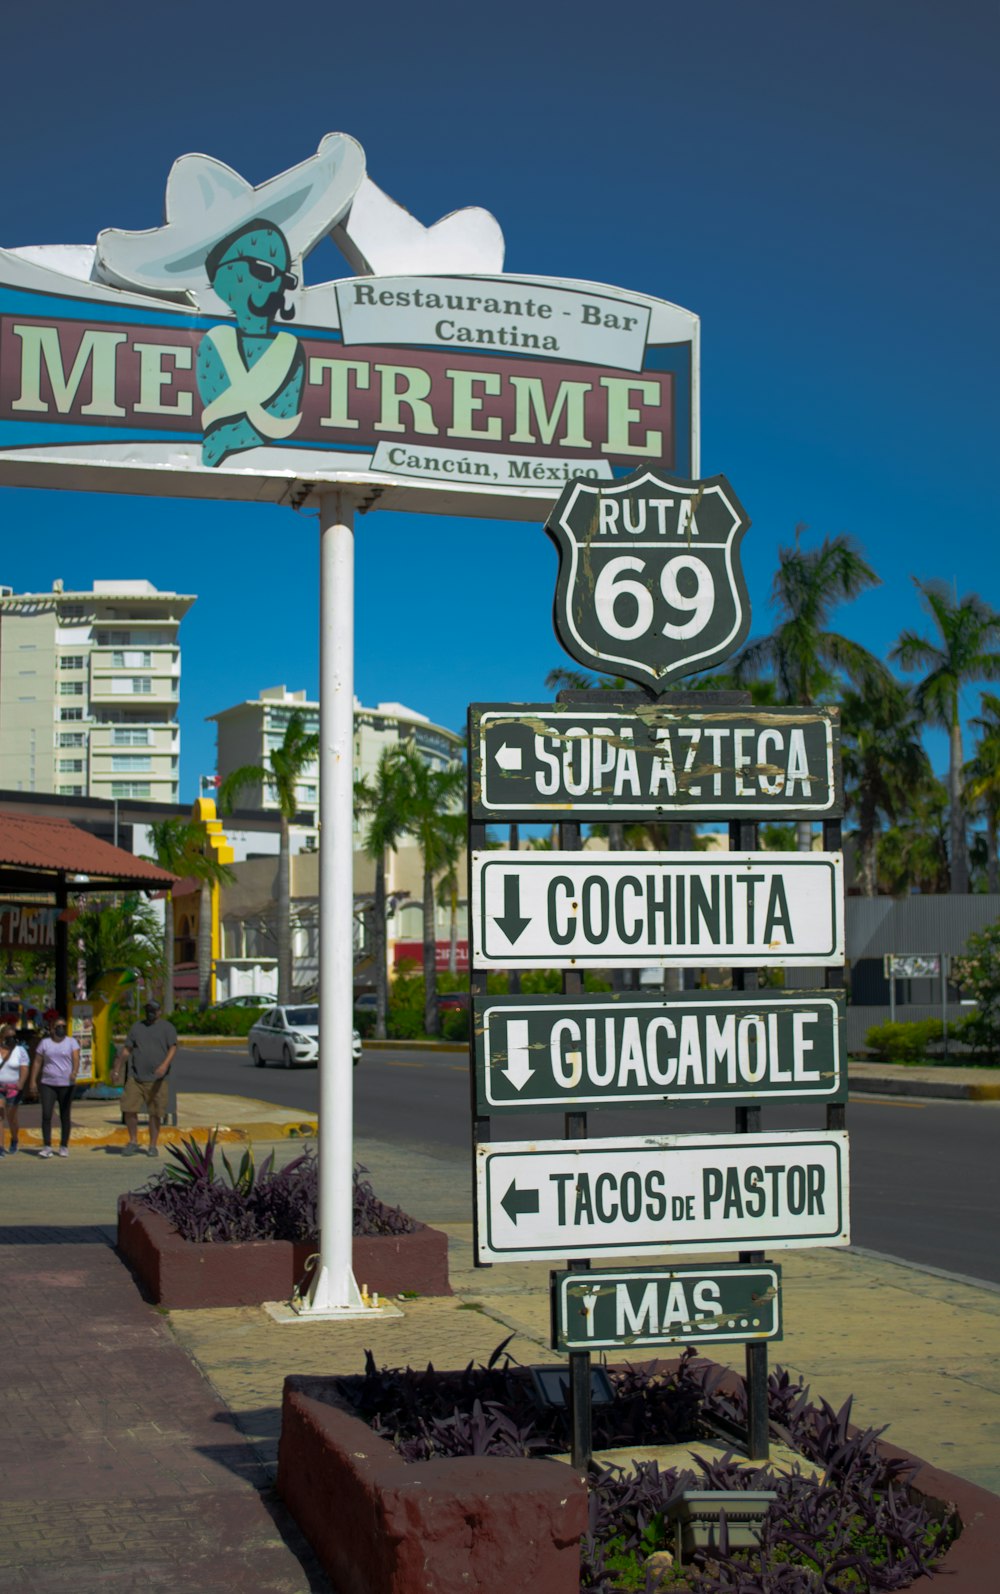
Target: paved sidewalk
140,1445
123,1470
234,1118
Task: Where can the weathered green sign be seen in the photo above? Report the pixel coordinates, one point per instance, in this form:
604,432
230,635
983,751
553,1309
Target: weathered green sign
629,1050
650,583
638,1307
536,762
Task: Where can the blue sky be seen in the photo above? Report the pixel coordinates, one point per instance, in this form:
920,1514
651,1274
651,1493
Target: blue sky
818,183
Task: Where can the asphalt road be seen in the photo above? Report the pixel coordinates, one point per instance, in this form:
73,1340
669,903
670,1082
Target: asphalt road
925,1176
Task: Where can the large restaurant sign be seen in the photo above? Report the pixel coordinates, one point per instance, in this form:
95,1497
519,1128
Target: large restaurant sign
199,348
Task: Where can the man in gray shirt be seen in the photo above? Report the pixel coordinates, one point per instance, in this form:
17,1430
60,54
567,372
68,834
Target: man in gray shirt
148,1052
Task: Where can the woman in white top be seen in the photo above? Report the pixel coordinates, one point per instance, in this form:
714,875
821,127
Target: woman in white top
13,1074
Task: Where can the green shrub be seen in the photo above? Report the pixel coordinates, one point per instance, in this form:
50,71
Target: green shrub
903,1043
978,973
404,1023
215,1020
455,1024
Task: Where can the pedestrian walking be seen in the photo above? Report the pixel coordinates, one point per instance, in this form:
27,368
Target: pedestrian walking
14,1069
54,1069
144,1063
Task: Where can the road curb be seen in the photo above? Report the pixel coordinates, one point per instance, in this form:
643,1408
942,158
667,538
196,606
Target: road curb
939,1089
415,1046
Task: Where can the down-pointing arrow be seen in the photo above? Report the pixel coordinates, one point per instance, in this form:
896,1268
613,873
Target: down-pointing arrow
517,1201
510,920
519,1069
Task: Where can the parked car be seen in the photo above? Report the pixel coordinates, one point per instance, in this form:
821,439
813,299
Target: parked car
290,1036
246,1001
453,1001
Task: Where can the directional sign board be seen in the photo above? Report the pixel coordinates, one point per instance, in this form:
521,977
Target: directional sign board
631,1050
615,1310
552,1199
650,584
654,909
535,762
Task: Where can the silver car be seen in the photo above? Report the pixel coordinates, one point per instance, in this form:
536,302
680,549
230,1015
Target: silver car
290,1036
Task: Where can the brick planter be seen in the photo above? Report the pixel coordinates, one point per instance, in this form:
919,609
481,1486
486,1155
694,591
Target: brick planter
380,1525
179,1273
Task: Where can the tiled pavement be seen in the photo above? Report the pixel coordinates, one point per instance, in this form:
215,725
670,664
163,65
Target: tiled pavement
138,1448
122,1469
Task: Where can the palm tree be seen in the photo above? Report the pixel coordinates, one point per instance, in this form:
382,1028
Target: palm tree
964,651
178,845
287,764
447,897
170,840
913,853
982,786
429,796
119,935
884,762
806,659
382,799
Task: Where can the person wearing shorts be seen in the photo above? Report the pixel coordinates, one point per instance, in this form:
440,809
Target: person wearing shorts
13,1078
145,1060
54,1068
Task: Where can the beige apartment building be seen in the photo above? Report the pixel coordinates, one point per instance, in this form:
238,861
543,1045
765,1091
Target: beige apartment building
249,732
90,690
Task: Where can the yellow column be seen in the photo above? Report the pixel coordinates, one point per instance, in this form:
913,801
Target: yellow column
217,846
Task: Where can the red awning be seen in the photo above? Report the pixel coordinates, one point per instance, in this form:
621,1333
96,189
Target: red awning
54,846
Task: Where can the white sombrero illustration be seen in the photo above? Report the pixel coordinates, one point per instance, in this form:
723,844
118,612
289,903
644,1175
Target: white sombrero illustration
206,200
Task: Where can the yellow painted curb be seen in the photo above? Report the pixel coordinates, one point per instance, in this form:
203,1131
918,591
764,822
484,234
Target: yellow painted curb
984,1092
90,1140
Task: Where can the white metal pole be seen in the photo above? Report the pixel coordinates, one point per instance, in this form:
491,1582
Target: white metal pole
334,1289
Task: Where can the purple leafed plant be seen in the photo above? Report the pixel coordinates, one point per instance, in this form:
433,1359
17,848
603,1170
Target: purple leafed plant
424,1412
206,1203
855,1529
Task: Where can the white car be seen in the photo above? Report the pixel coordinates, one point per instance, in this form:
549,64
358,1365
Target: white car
290,1036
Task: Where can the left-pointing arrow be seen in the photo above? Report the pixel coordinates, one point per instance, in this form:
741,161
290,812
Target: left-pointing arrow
517,1201
508,757
510,921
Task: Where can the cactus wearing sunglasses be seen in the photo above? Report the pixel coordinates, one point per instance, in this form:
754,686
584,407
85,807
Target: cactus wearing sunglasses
250,376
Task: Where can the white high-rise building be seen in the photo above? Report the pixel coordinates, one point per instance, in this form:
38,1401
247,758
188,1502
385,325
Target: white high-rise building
89,691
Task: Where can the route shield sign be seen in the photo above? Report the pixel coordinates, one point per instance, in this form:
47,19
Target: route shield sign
684,1305
536,762
548,1199
650,584
656,909
632,1050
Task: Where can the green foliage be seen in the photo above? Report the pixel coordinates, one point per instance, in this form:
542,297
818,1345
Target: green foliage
978,973
778,838
406,998
455,1024
805,660
904,1043
215,1020
119,935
